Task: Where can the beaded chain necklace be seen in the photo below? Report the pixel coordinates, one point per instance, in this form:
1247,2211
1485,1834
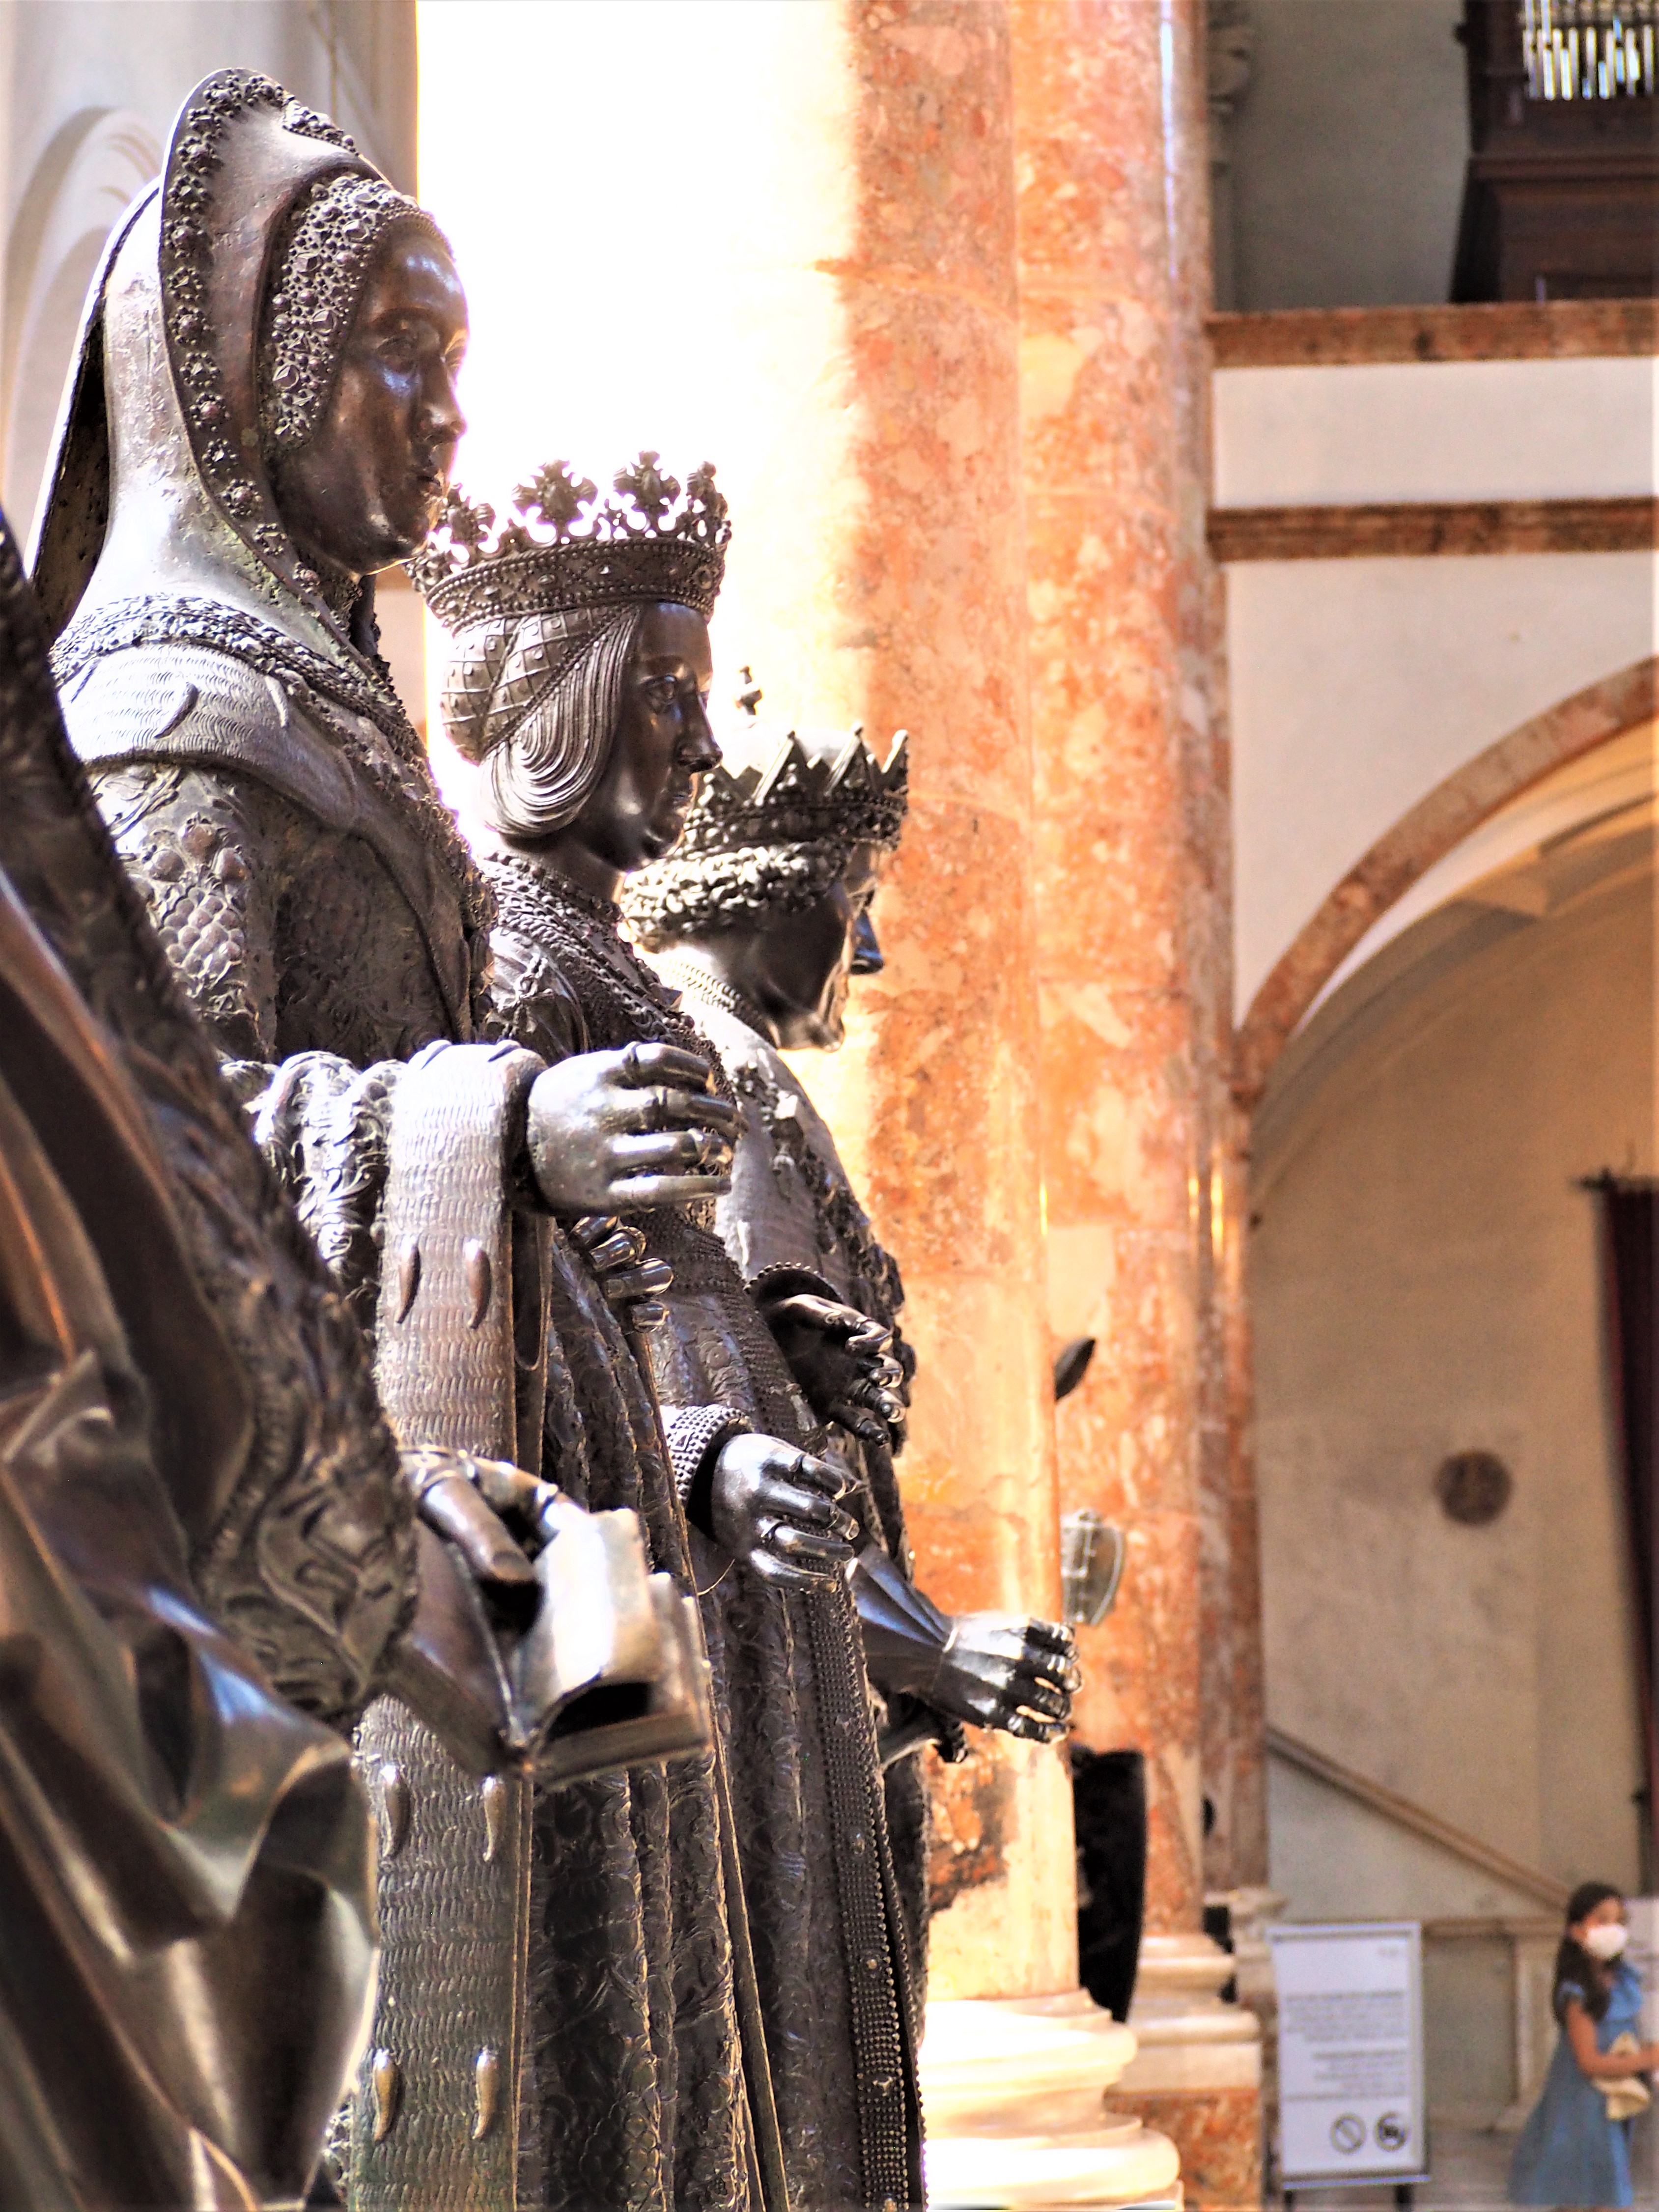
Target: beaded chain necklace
693,981
617,989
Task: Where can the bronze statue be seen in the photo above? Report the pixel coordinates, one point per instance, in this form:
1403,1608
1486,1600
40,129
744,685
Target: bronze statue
208,1563
760,917
578,681
262,415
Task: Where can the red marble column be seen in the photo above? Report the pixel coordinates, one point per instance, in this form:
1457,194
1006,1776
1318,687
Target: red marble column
1132,906
883,581
1112,258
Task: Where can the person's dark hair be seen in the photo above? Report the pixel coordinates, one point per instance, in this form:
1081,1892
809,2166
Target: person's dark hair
1573,1964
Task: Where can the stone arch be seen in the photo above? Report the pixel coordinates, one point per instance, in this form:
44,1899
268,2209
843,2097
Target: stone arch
1422,836
96,165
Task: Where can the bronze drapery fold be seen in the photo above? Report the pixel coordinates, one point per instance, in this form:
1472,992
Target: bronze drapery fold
818,1889
186,1951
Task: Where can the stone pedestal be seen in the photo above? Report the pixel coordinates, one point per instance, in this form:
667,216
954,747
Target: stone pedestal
1021,2110
1196,2075
1251,1911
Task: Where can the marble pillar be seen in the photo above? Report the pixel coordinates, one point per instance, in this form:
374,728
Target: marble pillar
898,598
1132,900
881,580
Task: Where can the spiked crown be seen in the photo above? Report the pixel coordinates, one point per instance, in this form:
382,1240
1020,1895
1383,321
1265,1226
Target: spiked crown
787,786
647,543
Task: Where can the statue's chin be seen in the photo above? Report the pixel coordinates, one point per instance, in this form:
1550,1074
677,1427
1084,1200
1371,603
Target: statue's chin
657,842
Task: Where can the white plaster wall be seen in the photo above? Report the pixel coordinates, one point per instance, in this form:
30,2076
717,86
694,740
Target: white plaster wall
64,62
147,54
1424,1280
1358,685
1434,430
1348,149
1335,1859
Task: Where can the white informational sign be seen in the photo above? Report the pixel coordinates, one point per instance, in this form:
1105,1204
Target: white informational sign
1350,2051
1643,1955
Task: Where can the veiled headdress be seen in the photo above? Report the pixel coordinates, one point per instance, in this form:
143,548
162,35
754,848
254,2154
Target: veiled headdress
771,827
544,615
211,339
236,279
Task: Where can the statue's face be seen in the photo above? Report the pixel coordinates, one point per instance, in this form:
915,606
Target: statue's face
804,963
364,492
662,744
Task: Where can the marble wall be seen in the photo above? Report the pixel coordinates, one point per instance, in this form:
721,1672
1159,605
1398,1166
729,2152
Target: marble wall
1132,878
916,596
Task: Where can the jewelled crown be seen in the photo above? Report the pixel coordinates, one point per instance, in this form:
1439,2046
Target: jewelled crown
786,786
647,543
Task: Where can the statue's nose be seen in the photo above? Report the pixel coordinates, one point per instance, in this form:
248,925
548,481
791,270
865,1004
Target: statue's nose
867,949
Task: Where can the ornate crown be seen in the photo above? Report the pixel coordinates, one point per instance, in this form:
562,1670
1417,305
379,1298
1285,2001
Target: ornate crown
786,786
646,543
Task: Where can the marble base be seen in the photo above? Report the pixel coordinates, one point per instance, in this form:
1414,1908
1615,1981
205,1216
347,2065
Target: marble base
1196,2075
1252,1912
1014,2091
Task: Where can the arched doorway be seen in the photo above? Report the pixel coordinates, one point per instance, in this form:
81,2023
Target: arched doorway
96,164
1445,1586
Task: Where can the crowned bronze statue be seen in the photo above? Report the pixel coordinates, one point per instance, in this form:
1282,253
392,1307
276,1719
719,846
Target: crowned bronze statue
760,917
580,672
263,416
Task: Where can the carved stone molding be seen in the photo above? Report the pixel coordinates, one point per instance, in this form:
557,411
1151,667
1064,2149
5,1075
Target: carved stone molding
1517,329
1413,528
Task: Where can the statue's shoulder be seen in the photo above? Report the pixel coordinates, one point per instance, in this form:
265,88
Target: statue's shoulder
531,1000
194,704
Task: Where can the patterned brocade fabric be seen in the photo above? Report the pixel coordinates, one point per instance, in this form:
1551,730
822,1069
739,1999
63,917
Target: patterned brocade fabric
639,2084
318,979
792,1203
289,937
822,1904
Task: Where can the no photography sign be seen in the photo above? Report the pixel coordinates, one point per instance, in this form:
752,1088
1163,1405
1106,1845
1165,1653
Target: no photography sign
1350,2051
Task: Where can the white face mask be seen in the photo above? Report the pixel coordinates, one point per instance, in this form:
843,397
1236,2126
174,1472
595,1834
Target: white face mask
1605,1939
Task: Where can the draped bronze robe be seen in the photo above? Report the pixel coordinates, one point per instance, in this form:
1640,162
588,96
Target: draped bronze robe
792,1205
277,813
824,1910
200,1508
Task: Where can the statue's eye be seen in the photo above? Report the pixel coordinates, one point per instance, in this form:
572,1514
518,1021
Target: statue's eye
660,694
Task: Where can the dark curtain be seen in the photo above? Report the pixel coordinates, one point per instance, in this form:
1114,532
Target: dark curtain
1629,1209
1108,1794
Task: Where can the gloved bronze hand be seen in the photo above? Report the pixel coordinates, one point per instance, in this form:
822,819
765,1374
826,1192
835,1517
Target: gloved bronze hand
844,1365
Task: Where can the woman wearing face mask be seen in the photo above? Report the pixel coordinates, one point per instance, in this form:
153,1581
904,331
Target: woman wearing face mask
1575,2150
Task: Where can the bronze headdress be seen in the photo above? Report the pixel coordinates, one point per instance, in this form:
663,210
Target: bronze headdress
772,826
258,187
544,614
196,361
319,267
646,545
